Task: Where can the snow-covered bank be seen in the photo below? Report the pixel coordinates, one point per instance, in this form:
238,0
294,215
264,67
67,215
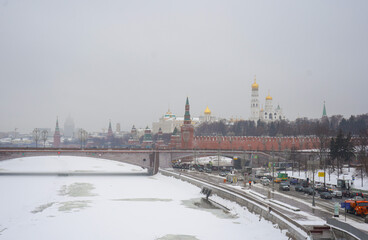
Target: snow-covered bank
128,207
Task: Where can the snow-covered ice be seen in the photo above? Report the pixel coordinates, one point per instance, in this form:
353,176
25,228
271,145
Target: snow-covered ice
114,207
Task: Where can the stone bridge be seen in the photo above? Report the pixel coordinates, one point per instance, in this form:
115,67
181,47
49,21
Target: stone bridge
152,159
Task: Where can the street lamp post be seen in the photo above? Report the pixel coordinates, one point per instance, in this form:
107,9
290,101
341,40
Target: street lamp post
312,164
218,153
273,172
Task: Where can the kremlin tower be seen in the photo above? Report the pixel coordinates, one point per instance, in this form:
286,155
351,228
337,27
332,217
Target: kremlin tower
187,130
57,135
160,141
110,135
324,113
147,138
133,140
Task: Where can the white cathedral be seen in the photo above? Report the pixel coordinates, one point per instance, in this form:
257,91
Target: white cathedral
268,114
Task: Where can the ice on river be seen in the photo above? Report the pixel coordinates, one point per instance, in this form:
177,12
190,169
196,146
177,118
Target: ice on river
114,207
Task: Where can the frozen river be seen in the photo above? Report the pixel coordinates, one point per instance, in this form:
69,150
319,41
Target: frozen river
114,207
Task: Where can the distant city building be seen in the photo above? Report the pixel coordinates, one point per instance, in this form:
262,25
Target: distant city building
69,127
268,114
170,121
57,135
118,128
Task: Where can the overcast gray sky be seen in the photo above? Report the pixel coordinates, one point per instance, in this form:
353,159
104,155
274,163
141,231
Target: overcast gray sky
128,61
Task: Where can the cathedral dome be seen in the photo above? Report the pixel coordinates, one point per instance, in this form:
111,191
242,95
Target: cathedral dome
207,111
268,97
255,85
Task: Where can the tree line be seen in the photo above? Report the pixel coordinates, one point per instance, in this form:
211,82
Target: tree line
355,125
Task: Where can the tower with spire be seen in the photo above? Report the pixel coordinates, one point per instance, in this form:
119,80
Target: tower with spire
133,139
57,135
324,112
160,141
110,134
147,138
187,130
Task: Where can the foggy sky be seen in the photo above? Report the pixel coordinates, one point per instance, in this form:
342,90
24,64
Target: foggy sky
129,61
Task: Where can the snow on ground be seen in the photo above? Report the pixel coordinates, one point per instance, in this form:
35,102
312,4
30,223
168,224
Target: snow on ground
114,207
332,178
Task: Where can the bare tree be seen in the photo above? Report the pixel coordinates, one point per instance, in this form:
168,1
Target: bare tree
36,135
322,131
44,136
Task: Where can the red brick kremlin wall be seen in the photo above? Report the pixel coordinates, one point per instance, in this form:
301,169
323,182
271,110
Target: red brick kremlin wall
255,143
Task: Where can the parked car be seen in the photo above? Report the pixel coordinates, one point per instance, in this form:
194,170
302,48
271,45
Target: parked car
294,181
284,186
299,188
208,170
309,191
304,183
345,193
336,193
355,193
222,174
200,170
325,195
322,189
265,181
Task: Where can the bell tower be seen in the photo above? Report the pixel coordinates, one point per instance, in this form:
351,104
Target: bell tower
254,102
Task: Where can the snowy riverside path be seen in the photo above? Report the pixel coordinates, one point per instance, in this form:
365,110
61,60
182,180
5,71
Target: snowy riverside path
113,207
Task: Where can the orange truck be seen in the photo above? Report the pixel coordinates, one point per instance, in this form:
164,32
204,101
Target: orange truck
358,206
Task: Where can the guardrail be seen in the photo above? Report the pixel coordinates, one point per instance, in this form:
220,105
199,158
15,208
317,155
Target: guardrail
347,228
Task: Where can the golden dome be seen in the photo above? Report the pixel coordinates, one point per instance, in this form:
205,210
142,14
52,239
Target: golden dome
268,97
255,85
207,111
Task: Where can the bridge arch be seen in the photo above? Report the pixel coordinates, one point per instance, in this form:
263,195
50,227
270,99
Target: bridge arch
145,159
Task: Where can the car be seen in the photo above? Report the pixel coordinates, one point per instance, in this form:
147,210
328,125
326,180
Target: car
200,170
309,191
208,170
346,193
265,181
299,188
294,181
222,174
321,189
284,186
336,194
356,193
304,183
325,195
